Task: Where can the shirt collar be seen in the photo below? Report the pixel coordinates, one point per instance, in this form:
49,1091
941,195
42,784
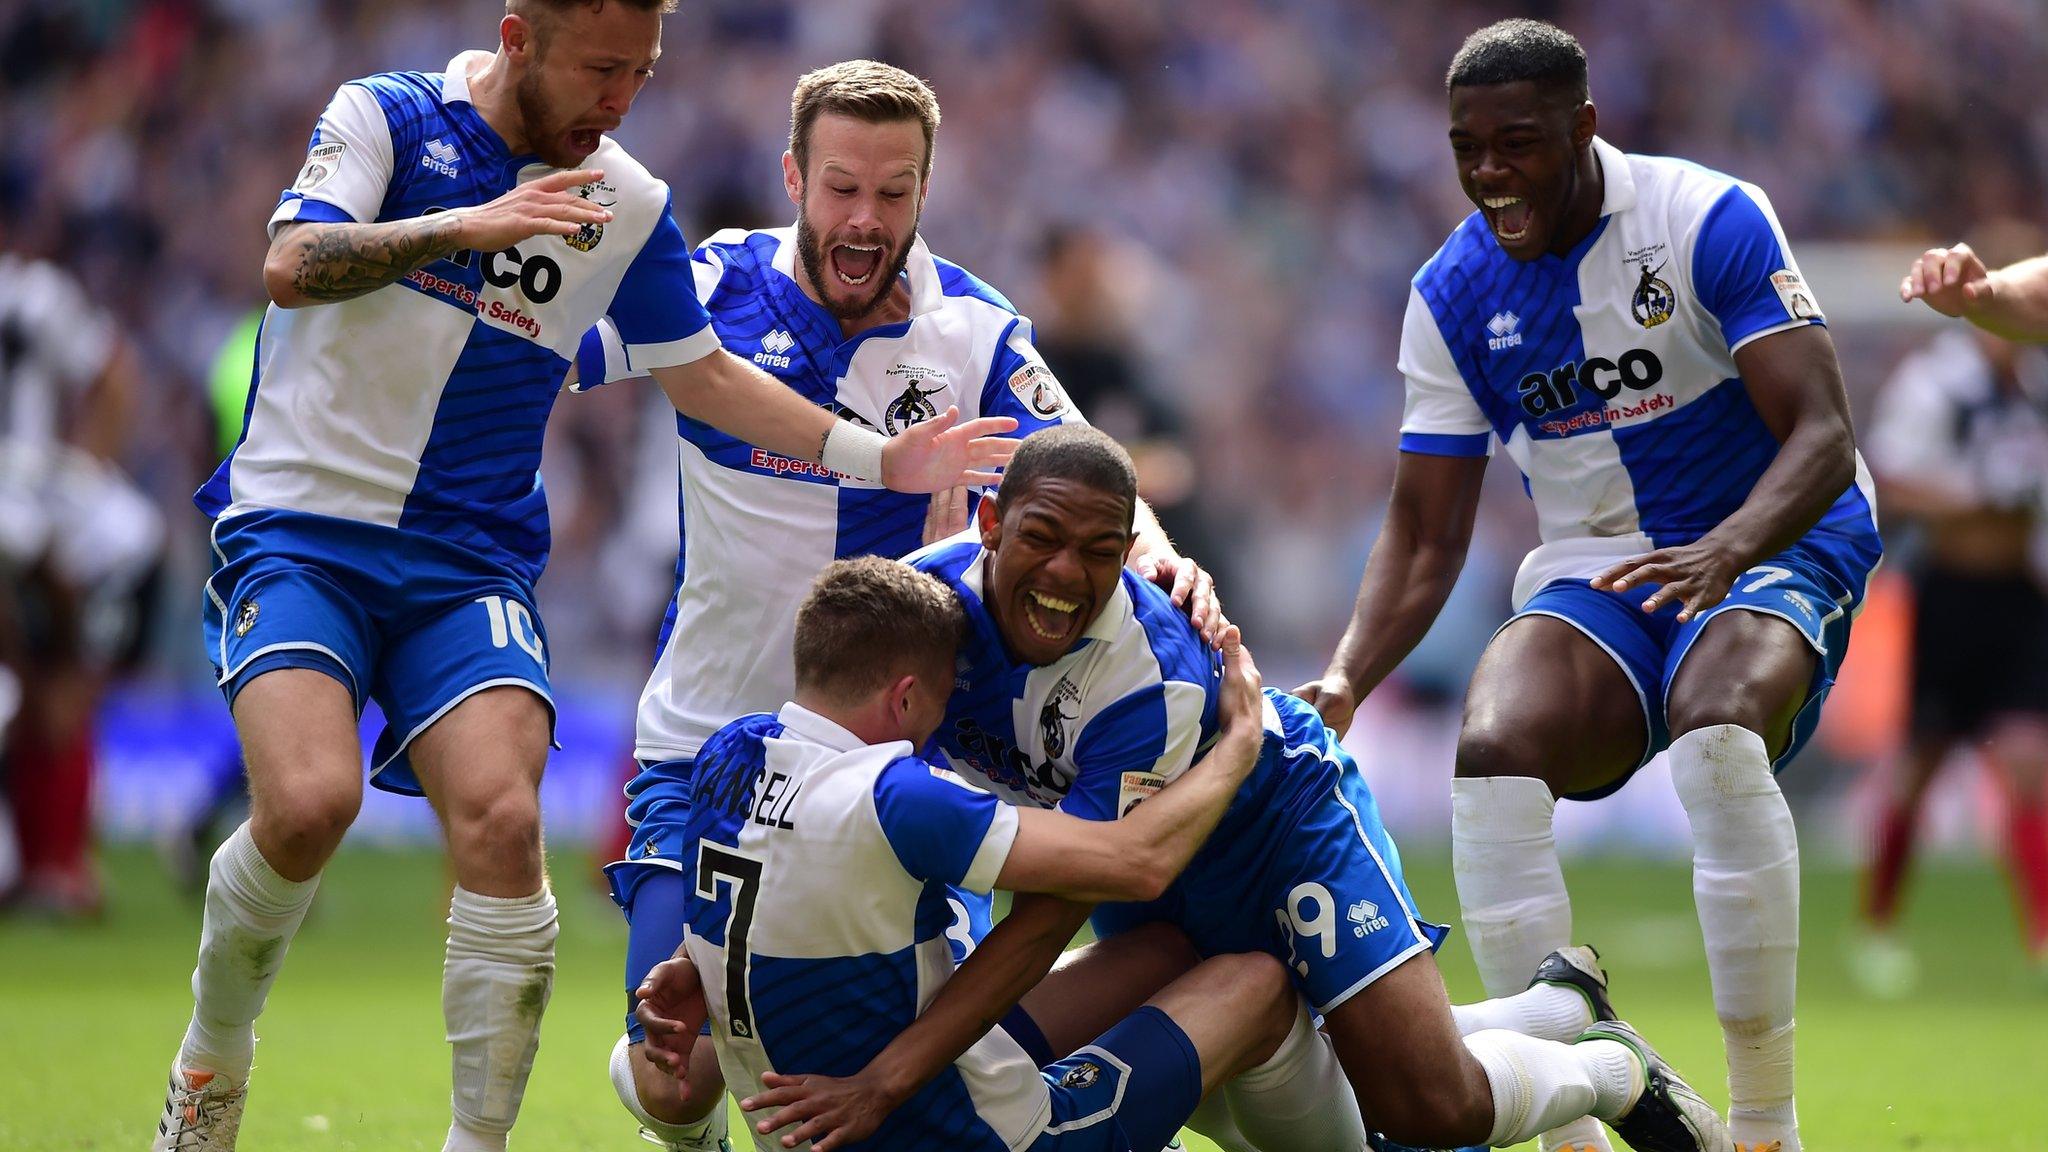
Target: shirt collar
455,80
922,269
1619,181
818,729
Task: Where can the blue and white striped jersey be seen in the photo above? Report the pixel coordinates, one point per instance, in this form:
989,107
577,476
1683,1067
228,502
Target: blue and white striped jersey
421,405
1609,373
818,915
1103,727
756,527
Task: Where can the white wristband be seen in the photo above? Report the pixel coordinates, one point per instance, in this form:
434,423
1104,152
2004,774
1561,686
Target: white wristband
854,451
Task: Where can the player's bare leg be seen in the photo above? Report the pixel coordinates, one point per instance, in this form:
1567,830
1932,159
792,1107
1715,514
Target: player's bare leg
1731,705
298,733
481,766
1423,1084
1548,713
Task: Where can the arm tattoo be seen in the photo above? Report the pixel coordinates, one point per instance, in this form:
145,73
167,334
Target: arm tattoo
343,261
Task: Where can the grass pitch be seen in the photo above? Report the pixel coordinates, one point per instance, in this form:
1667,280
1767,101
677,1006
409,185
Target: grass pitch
352,1058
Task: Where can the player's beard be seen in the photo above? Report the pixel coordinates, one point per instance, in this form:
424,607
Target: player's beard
546,133
817,268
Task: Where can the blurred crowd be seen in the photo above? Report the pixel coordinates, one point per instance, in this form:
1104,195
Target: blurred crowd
1211,208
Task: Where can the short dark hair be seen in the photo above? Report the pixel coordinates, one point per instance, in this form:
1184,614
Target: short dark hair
870,620
867,90
1512,50
529,8
1078,452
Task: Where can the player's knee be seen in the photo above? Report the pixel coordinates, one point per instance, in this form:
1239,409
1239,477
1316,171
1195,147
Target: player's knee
306,822
1259,984
500,825
1736,706
1486,749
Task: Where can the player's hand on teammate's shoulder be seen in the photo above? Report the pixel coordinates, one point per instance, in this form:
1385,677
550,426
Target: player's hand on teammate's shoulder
1189,586
940,453
672,1010
1240,705
1696,576
1952,281
549,205
829,1111
1333,698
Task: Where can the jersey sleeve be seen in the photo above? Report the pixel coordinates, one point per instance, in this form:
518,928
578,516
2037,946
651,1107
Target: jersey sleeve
1020,386
1744,273
601,357
348,166
659,319
1439,417
1133,748
941,827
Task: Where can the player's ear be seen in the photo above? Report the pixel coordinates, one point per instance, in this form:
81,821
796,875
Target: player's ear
792,179
516,35
989,518
1585,122
901,698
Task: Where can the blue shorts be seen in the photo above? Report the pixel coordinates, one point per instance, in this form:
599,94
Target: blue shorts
411,621
1313,879
1129,1091
1795,585
657,803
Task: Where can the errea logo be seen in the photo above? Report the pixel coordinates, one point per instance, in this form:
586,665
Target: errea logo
1365,918
775,348
1502,327
441,156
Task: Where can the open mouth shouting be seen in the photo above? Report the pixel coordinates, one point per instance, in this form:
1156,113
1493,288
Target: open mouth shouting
855,264
1051,618
1508,216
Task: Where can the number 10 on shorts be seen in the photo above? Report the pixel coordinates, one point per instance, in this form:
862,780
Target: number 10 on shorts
511,623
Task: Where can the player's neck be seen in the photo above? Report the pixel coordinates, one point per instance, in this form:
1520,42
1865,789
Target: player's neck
1582,211
492,93
868,720
894,308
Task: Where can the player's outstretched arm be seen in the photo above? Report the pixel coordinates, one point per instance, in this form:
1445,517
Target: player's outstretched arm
1796,385
1414,564
833,1112
746,403
2011,302
321,263
1136,856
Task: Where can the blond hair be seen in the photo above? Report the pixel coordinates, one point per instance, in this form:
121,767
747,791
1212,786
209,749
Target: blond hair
866,90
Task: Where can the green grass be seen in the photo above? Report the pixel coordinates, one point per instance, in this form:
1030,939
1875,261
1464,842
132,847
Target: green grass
352,1055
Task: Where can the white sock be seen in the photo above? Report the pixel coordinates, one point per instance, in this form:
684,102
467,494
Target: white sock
494,988
1512,895
252,913
1544,1011
1539,1085
1212,1119
629,1095
1299,1098
1745,880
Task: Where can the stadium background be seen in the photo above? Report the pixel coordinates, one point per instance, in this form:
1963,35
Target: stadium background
1210,207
